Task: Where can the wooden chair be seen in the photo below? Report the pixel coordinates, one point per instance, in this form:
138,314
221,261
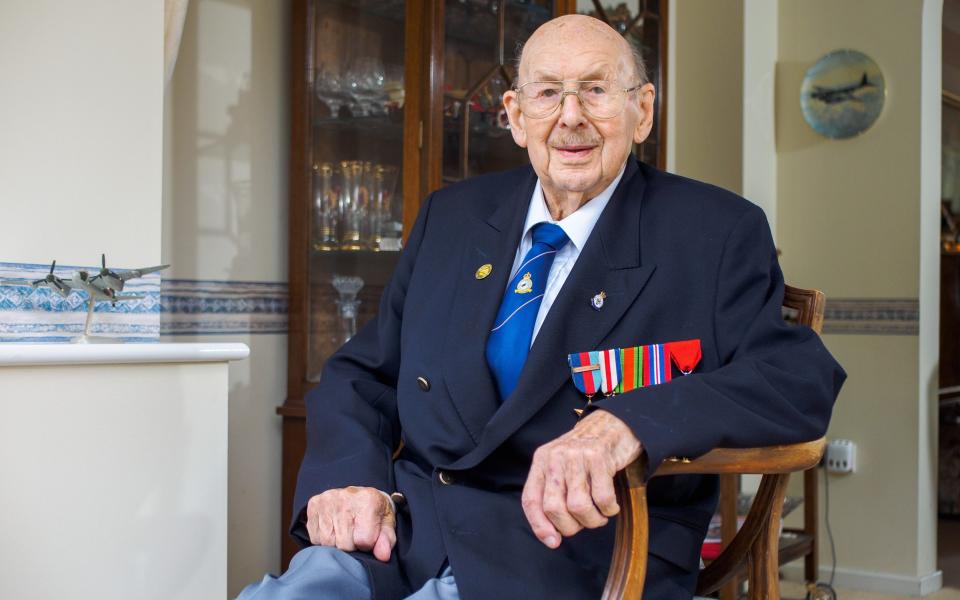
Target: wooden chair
755,547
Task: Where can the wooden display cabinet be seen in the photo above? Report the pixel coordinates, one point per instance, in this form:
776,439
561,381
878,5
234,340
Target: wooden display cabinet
391,99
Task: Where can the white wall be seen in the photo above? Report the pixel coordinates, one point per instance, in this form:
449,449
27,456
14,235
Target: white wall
224,213
81,87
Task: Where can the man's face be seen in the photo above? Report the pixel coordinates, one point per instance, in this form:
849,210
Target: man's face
570,150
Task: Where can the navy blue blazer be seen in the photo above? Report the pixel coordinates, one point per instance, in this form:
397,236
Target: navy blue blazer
678,259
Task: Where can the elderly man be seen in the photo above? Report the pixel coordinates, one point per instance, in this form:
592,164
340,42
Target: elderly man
499,490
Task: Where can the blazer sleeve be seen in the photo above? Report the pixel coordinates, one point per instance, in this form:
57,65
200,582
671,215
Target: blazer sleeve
776,384
352,422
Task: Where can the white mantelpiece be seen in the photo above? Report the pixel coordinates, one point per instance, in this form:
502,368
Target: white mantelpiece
113,466
75,354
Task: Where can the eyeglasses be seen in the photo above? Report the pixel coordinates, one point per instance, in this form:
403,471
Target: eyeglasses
599,99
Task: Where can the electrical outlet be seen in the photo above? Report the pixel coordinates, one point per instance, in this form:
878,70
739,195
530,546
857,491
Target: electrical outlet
841,456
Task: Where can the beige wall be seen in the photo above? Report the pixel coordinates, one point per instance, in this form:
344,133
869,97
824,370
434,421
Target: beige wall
81,87
849,222
225,219
708,91
848,217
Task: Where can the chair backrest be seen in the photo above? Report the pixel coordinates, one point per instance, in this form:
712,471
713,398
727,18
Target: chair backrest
804,307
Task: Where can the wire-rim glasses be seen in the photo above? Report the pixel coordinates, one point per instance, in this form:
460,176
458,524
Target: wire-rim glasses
599,99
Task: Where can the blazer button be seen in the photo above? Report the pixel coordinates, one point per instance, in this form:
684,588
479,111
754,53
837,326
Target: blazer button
445,478
423,383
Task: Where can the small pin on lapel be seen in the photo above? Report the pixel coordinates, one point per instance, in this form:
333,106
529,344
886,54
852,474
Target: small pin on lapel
597,301
483,271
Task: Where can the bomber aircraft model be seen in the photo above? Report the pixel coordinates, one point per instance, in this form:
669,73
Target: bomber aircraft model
102,287
840,94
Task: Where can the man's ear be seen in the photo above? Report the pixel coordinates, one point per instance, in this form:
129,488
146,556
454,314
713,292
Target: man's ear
644,100
512,104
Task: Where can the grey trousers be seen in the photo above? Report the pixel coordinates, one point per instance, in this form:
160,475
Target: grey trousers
321,572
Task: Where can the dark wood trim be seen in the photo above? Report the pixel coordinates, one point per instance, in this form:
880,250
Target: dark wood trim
414,72
301,27
433,106
662,89
298,410
564,7
299,186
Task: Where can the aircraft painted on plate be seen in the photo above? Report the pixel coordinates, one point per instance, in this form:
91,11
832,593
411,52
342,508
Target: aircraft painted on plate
842,93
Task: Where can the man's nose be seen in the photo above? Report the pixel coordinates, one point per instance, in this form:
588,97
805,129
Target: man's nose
571,111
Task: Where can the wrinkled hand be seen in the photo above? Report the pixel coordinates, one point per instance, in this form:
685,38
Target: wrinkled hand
570,485
353,518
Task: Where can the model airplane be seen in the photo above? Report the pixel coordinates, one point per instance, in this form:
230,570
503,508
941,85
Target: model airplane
842,93
102,287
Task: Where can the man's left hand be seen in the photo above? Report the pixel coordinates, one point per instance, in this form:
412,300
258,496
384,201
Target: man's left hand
570,485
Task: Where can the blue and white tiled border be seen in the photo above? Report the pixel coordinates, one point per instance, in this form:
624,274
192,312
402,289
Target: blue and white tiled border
208,307
872,316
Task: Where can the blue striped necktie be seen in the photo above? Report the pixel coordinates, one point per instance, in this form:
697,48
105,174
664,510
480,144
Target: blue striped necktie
509,341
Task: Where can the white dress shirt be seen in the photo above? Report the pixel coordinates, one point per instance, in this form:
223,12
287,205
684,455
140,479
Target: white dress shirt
577,226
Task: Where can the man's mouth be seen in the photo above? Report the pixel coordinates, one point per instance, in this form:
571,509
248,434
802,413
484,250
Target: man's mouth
575,151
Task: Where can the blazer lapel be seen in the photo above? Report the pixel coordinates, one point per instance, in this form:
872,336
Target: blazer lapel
609,262
492,240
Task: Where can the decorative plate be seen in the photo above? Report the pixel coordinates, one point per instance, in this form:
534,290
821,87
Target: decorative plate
842,94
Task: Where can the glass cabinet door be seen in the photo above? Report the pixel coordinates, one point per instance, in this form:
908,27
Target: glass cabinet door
355,144
480,46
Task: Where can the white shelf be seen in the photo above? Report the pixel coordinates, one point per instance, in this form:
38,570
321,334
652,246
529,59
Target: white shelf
14,354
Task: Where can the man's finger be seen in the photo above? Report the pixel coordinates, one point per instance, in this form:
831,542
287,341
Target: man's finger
325,530
343,527
555,498
579,499
532,503
601,486
366,524
319,526
385,542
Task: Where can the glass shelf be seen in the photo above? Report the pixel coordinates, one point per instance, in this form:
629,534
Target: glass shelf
358,57
386,128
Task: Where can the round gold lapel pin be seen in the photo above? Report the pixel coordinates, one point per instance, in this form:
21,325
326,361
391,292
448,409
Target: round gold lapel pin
483,271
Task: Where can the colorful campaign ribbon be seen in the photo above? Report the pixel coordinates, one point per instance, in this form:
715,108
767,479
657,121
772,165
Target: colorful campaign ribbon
631,365
585,367
656,365
685,354
620,370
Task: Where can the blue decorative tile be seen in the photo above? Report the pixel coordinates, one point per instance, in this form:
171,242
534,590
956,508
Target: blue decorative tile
206,307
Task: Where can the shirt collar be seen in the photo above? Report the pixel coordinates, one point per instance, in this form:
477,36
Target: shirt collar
579,224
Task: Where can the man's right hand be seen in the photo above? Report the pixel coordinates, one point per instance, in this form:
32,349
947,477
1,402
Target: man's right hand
353,518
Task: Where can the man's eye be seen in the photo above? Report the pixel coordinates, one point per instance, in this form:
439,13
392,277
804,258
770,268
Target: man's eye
549,93
597,90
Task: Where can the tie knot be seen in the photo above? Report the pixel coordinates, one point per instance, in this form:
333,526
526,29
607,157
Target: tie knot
550,234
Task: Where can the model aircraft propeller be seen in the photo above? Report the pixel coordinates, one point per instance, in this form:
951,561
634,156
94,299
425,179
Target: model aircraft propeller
50,278
53,281
105,272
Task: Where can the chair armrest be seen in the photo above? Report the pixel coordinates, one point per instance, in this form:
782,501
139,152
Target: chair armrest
760,461
629,564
